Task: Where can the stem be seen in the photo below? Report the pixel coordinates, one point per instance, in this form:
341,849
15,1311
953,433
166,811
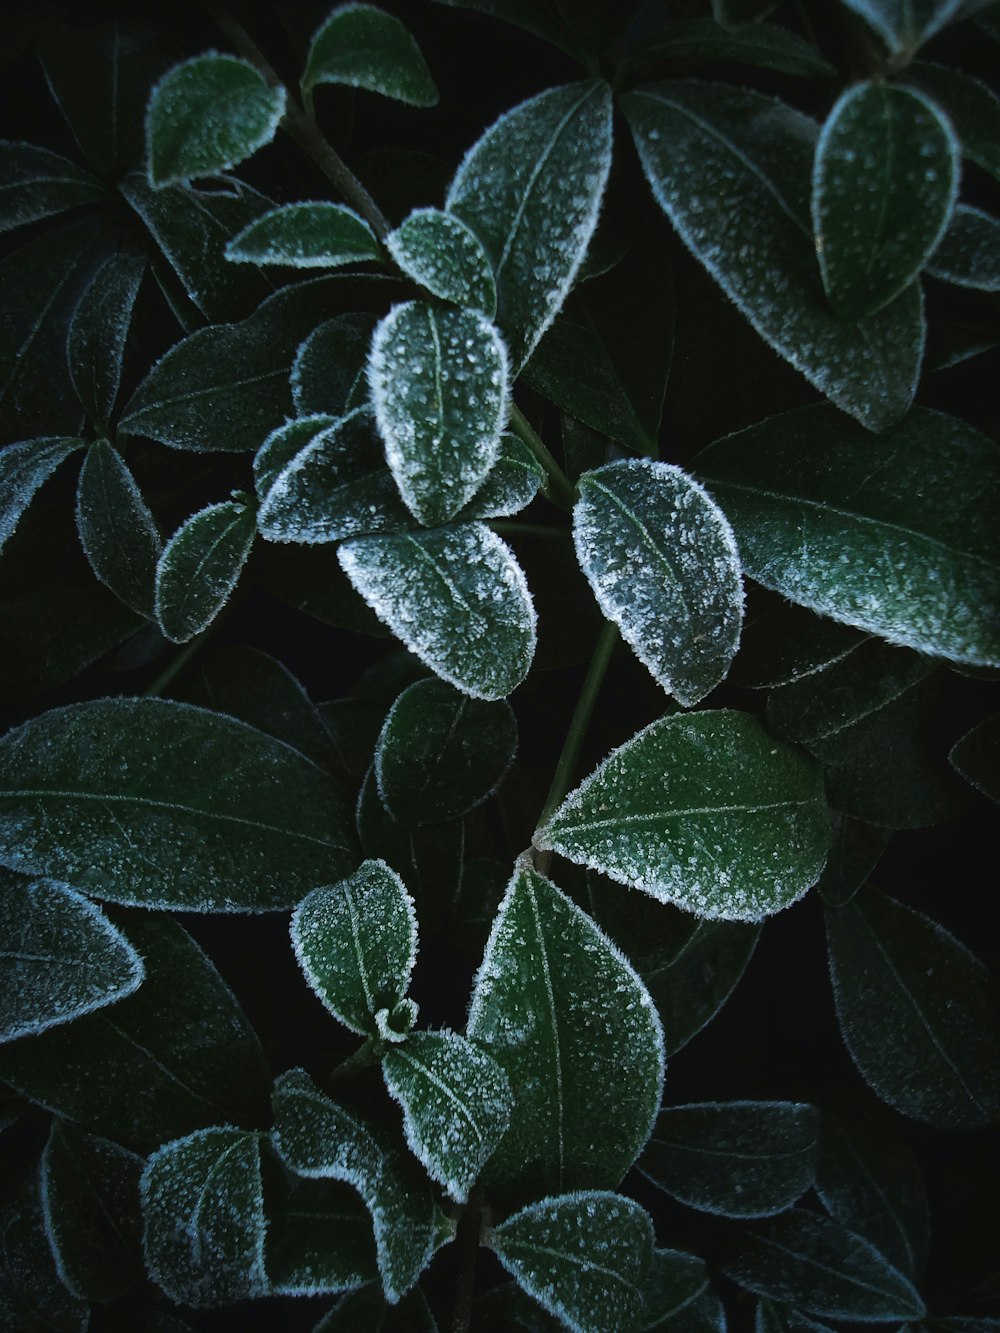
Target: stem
467,1247
558,487
176,664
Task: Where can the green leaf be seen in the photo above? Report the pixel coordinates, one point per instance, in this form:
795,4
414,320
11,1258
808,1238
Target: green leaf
306,235
574,1027
583,1256
740,1159
782,642
977,756
25,467
203,1215
160,804
177,1055
885,177
766,46
678,1289
898,538
32,1296
530,189
440,754
356,942
38,183
365,47
802,1259
368,1310
63,957
438,251
201,565
117,531
316,1138
456,1102
90,1198
705,811
439,384
972,107
661,560
969,253
457,599
99,331
906,24
772,1318
854,853
328,375
513,483
319,1242
726,164
507,1308
206,115
917,1011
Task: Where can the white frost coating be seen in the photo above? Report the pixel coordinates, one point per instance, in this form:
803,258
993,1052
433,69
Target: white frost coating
895,22
440,252
969,254
456,597
661,559
24,468
305,235
199,567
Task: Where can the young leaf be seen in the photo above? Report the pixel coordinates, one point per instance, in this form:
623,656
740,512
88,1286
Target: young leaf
972,107
726,164
456,597
98,332
329,370
356,942
583,1256
24,469
175,1056
316,1138
208,114
898,538
203,1216
160,804
977,756
969,253
740,1159
703,810
661,559
63,957
885,176
365,47
306,235
38,183
438,251
117,531
319,1242
530,189
32,1296
802,1259
439,384
201,565
440,753
904,26
572,1024
456,1102
917,1011
90,1198
678,1289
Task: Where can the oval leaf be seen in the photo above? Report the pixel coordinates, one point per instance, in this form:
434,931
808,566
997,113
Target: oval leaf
440,252
328,374
712,814
661,559
677,1294
365,47
319,1241
200,566
98,332
24,469
160,804
885,178
306,235
29,1281
117,531
456,597
969,253
899,538
207,114
38,183
972,107
977,756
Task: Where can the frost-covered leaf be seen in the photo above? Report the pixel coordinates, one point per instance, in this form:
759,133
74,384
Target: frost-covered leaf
703,810
206,115
328,375
203,1216
677,1294
438,251
177,1055
583,1256
456,1104
33,1299
530,189
782,642
977,756
456,597
885,178
201,565
895,535
803,1259
439,384
98,333
766,46
731,169
356,942
771,1318
369,1310
513,483
740,1159
969,253
117,531
319,1241
571,1022
37,183
160,804
90,1198
906,24
317,1138
24,468
61,957
365,47
440,753
854,853
305,235
972,107
917,1011
661,559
